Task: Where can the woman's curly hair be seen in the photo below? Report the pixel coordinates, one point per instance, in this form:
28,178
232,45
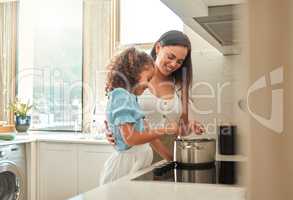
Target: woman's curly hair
125,68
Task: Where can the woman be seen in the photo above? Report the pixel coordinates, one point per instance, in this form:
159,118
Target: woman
161,102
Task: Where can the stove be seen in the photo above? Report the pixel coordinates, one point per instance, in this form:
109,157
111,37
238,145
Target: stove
218,172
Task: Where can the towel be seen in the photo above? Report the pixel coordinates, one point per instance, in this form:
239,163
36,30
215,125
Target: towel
7,136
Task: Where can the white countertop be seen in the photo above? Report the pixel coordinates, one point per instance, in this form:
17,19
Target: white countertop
18,140
83,138
65,137
56,137
125,188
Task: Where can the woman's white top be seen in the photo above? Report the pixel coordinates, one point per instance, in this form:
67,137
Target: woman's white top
159,111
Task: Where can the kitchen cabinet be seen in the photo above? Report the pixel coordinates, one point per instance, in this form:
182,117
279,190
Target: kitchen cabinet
57,171
66,170
91,159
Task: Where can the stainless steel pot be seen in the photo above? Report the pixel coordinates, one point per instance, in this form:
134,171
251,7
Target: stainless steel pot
196,176
194,151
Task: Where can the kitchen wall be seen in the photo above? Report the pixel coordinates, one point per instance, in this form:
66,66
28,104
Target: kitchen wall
213,77
228,78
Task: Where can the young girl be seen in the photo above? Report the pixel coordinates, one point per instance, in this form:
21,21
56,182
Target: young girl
128,76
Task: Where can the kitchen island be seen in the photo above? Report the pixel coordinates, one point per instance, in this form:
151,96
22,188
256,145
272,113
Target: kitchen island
126,188
84,149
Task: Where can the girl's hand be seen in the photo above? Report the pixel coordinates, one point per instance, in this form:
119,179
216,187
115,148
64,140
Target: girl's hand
109,135
196,127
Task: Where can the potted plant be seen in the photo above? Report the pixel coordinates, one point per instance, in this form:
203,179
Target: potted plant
22,119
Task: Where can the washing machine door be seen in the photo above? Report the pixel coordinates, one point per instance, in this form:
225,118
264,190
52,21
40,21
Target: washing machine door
11,182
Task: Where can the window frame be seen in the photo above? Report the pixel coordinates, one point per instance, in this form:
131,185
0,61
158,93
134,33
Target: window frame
116,32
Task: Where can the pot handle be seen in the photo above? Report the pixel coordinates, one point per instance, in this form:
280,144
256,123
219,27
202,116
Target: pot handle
191,146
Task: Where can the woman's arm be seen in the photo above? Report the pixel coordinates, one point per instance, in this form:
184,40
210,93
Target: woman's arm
162,150
194,126
133,137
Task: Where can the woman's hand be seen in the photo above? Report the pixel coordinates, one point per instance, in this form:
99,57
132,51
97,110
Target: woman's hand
196,127
109,134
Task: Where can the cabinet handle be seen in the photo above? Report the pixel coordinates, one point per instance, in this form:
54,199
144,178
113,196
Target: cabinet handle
14,149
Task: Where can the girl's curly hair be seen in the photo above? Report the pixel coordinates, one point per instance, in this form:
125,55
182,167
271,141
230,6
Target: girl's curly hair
125,68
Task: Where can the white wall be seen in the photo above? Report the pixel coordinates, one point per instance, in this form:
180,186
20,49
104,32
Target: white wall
212,84
223,78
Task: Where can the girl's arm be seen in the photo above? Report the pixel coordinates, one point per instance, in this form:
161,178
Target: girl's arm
159,147
162,150
133,137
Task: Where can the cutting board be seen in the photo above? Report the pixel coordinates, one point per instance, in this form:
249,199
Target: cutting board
7,129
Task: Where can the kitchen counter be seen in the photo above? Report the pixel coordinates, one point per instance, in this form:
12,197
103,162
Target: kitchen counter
56,137
65,137
82,138
71,138
18,140
125,188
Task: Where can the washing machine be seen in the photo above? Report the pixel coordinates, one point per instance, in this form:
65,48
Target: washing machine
13,172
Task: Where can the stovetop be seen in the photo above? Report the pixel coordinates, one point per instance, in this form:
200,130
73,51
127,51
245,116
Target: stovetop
218,172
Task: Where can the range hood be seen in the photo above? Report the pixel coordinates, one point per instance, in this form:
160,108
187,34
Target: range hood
216,21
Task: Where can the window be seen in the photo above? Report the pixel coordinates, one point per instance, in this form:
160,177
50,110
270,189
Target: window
143,22
64,46
50,62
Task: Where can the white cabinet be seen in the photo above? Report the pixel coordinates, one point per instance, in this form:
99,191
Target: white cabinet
91,159
66,170
58,167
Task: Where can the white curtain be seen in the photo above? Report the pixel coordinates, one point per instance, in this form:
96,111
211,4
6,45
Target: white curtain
97,51
8,33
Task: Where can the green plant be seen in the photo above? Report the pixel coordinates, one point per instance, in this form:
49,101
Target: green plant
19,108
